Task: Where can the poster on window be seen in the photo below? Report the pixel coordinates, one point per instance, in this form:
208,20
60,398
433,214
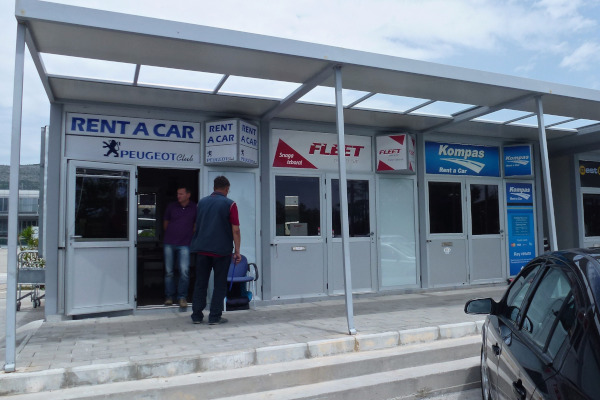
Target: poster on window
521,227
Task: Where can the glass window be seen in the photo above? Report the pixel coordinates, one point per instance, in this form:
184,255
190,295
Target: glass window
591,214
4,204
358,208
101,204
485,214
516,294
297,206
28,205
545,306
564,325
445,207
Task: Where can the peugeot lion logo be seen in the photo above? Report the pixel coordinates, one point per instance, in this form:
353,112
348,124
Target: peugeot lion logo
113,147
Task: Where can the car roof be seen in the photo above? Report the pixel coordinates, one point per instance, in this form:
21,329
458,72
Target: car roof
585,262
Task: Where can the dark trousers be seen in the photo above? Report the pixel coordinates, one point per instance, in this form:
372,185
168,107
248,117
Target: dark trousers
220,267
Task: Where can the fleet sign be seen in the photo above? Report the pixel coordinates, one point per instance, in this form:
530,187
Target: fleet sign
395,153
231,142
518,161
132,128
461,159
312,150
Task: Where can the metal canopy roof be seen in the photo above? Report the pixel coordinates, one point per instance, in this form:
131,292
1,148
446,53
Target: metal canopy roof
140,41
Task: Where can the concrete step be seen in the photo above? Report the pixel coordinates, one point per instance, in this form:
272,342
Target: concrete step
402,371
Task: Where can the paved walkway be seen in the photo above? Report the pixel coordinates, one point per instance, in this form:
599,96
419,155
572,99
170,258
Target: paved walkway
168,333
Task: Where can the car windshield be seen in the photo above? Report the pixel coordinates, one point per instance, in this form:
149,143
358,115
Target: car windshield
593,275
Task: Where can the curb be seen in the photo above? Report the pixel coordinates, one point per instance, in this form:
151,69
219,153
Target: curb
143,368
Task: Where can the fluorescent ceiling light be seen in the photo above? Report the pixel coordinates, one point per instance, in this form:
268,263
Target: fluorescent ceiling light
88,68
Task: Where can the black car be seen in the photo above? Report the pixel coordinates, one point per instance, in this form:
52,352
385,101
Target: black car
542,340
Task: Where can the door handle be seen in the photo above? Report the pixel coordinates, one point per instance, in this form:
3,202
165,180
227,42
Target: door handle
496,349
519,389
75,237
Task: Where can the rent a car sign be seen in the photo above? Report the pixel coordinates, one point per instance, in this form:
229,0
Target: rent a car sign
132,140
132,128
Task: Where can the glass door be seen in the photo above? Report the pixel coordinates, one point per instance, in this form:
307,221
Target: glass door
486,232
297,250
590,199
446,236
101,213
361,230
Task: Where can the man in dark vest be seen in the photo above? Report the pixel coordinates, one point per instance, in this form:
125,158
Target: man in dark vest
217,234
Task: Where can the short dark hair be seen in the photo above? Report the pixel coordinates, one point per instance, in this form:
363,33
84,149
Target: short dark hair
221,182
187,189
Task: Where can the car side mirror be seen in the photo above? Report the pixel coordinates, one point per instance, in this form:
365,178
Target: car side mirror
480,306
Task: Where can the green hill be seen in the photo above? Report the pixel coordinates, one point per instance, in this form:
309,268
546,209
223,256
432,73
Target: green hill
29,177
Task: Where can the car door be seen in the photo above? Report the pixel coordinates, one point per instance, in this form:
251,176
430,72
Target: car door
501,325
526,357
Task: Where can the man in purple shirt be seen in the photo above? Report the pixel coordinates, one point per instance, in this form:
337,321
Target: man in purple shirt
178,223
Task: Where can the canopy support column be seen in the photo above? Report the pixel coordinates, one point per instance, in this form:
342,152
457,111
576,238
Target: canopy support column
539,108
344,199
13,202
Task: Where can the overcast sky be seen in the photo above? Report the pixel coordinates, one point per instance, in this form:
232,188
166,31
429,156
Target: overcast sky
552,40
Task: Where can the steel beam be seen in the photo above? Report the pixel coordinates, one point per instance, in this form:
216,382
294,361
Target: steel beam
365,97
220,84
339,105
298,93
13,202
136,75
39,65
479,111
546,173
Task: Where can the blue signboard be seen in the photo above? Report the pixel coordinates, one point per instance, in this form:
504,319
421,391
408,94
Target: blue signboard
461,159
518,160
521,228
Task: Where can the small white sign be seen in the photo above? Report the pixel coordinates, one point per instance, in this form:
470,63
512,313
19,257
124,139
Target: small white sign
231,142
396,154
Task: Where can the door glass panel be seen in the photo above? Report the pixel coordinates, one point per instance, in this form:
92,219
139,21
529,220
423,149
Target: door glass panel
147,225
445,207
101,204
397,252
591,214
297,206
545,306
516,294
485,214
358,208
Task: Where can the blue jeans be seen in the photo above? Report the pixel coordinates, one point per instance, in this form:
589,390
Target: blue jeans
220,268
182,253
